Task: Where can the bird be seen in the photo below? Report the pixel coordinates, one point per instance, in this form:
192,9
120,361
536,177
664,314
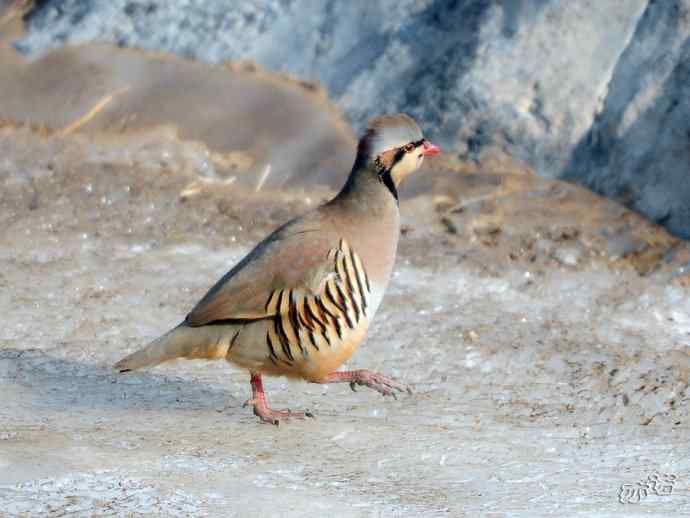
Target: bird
300,303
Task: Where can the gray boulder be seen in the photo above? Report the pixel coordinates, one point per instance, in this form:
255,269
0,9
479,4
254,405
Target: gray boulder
588,90
638,147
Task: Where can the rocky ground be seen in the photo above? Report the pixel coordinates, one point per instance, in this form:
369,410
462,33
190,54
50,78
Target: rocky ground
543,329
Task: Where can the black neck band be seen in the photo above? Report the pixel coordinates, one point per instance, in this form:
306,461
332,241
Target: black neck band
387,180
384,173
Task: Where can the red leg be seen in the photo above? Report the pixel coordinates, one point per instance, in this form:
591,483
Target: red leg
383,384
261,408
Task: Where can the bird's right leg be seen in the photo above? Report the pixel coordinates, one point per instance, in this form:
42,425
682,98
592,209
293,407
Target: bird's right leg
374,380
261,408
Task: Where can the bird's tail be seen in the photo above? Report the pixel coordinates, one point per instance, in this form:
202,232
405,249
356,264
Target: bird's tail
181,342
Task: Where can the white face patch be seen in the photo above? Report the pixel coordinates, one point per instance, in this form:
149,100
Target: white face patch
408,164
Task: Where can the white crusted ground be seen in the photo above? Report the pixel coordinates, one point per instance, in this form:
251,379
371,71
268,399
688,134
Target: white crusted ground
537,392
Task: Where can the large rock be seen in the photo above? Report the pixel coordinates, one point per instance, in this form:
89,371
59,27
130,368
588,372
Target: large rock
637,149
591,89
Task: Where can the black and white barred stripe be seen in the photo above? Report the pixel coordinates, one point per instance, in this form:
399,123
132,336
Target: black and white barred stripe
304,321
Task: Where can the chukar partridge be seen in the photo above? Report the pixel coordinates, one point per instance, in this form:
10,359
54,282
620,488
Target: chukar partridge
300,302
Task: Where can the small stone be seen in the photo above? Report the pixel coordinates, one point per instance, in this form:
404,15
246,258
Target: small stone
568,255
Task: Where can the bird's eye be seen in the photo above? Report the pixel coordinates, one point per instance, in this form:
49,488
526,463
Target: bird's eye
409,147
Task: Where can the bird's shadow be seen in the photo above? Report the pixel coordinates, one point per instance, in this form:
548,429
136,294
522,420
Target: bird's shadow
65,384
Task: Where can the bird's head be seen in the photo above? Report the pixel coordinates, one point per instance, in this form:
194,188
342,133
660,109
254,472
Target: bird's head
395,146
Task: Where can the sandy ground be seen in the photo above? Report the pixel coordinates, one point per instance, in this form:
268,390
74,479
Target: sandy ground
543,330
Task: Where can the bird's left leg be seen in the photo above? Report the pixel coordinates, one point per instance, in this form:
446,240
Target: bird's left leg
383,384
261,408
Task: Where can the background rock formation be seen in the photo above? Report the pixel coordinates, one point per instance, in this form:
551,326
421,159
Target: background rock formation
589,90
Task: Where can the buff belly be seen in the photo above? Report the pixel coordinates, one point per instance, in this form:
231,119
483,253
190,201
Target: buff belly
304,360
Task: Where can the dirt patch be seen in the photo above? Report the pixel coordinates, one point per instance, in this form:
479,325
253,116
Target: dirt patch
275,122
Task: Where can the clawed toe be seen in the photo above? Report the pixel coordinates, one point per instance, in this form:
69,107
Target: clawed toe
378,382
382,384
268,415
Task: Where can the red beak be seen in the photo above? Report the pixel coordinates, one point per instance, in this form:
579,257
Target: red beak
429,149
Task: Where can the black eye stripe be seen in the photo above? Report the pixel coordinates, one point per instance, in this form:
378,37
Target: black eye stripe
408,148
400,154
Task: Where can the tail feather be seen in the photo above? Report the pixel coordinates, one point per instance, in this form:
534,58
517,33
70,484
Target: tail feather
181,342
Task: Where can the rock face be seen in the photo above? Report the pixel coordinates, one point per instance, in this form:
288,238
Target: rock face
637,148
589,90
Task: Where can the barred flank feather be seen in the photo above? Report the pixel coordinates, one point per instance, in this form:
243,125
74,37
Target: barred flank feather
305,321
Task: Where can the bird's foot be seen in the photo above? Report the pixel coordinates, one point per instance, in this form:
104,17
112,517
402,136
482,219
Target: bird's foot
261,408
364,377
270,416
